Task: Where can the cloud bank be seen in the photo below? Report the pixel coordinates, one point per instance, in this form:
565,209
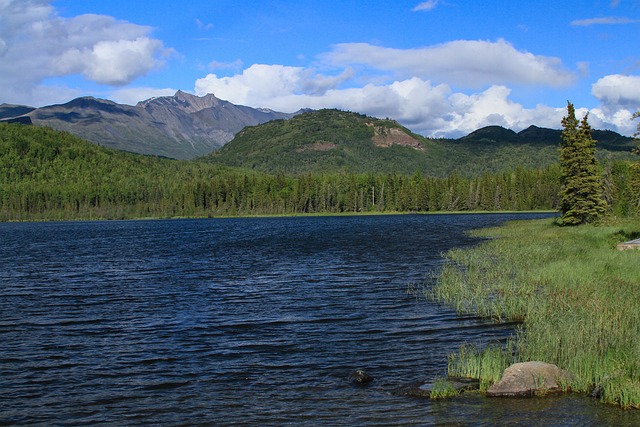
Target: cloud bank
36,44
429,109
464,63
413,86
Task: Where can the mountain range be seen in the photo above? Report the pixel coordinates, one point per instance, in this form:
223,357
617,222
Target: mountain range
185,126
181,126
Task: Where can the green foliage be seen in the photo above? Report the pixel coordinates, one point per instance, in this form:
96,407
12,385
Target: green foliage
46,174
576,294
487,365
324,141
442,389
51,175
581,193
333,141
636,135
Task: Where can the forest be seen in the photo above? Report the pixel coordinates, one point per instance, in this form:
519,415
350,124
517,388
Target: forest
51,175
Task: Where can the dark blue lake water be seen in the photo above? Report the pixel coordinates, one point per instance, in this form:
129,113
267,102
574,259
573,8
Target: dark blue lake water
242,322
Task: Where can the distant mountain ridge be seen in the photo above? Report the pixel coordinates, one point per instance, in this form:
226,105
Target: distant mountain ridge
185,126
606,139
182,126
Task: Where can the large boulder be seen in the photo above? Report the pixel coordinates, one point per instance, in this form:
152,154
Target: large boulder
529,379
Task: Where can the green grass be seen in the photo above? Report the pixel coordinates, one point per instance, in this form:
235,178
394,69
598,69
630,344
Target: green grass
442,389
577,296
487,365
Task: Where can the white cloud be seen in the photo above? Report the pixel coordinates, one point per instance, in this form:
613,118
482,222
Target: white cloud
493,107
465,63
115,63
429,109
620,120
611,20
426,6
432,110
262,83
37,45
617,90
131,96
619,97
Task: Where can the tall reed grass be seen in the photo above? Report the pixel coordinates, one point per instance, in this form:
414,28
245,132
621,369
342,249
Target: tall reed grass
578,299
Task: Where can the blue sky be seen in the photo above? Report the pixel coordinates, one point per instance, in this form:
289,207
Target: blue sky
440,67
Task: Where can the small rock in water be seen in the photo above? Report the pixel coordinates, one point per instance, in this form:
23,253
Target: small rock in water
414,389
360,377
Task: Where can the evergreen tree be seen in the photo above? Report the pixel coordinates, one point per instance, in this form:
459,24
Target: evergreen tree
581,190
636,135
634,169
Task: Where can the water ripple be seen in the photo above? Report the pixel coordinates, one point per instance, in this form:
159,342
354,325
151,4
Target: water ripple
228,322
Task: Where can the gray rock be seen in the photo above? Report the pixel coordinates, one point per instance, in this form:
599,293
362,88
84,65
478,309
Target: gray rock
529,379
360,377
415,389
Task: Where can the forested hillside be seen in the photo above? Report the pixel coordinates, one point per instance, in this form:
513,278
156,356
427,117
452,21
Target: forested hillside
330,141
47,174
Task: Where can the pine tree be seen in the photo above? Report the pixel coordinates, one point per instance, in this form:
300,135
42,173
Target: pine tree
635,167
581,190
636,135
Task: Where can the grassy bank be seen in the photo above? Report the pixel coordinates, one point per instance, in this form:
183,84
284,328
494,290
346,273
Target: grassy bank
577,296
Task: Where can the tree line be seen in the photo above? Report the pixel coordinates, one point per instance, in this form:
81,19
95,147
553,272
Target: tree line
45,174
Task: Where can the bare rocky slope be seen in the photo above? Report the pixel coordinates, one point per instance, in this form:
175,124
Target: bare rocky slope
182,126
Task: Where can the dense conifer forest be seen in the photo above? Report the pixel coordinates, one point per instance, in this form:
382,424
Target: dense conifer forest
52,175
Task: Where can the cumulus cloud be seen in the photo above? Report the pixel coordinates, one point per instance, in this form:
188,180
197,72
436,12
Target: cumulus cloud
619,97
132,96
464,63
37,44
427,108
261,83
618,90
115,63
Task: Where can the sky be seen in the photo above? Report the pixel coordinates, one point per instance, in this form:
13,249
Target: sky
443,68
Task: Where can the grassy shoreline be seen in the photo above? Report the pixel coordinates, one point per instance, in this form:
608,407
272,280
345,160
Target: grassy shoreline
578,299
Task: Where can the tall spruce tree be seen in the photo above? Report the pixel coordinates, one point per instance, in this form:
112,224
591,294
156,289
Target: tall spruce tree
636,135
581,191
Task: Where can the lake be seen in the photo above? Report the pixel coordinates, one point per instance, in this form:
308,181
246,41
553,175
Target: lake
247,321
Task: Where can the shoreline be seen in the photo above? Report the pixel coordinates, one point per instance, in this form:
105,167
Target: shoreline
576,295
290,215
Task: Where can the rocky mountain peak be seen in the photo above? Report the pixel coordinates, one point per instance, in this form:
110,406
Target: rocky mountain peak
183,101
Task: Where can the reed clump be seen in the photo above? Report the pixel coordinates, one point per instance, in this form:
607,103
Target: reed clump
578,299
443,389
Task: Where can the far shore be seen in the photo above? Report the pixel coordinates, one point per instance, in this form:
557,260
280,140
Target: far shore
287,215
